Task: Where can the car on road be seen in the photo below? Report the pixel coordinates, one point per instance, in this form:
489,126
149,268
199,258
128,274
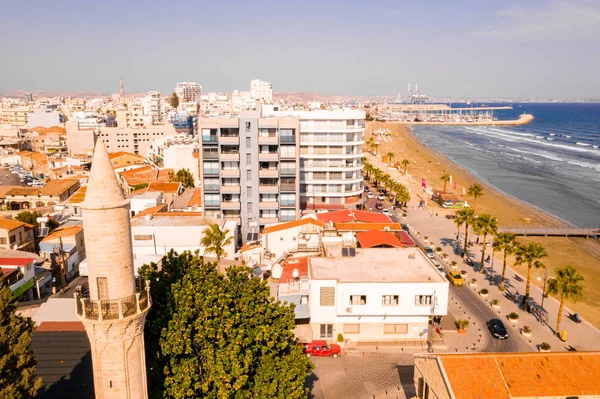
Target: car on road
455,278
379,206
321,348
381,197
366,188
370,195
405,228
451,216
497,329
386,212
429,252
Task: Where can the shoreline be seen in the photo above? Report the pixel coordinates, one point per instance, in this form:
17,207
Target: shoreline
581,253
524,119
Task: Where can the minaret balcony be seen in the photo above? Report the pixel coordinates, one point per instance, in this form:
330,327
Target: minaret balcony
114,309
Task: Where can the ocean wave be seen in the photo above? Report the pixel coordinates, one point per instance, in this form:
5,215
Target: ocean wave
583,144
592,166
549,139
511,132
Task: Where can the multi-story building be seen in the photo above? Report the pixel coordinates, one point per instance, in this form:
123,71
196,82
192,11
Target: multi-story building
261,90
188,91
16,116
152,106
249,169
16,235
330,156
133,117
374,294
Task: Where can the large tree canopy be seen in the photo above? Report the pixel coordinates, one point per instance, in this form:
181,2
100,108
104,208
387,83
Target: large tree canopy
219,336
17,364
183,176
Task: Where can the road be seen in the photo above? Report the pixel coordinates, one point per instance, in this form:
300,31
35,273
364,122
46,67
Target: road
466,299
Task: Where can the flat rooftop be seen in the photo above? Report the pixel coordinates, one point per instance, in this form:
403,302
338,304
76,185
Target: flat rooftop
378,265
177,219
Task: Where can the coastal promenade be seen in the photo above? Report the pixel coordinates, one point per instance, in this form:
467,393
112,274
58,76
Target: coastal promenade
442,232
565,231
523,120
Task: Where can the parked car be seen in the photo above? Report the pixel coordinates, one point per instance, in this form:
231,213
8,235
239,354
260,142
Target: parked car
429,252
381,197
366,188
379,206
370,195
455,278
451,216
386,212
321,348
497,329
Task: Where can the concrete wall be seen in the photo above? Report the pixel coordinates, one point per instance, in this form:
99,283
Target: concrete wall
428,369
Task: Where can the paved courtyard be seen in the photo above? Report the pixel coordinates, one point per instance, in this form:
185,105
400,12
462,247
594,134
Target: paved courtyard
382,375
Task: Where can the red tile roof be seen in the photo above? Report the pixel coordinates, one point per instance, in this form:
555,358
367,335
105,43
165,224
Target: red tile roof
60,326
512,375
405,239
196,198
292,224
166,187
294,263
152,210
347,216
21,262
371,239
359,226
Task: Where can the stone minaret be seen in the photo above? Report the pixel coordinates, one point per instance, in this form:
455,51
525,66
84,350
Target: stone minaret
115,311
121,89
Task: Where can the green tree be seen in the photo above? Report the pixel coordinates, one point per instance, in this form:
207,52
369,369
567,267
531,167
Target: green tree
17,363
183,176
475,191
141,186
506,243
405,163
484,225
370,143
215,240
229,339
445,178
30,217
465,216
567,285
530,255
390,155
368,117
368,168
174,100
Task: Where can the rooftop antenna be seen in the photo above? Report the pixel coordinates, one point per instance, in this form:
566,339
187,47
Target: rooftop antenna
121,89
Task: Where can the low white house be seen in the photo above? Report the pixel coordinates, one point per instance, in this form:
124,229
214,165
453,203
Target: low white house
378,294
296,236
20,273
158,233
142,201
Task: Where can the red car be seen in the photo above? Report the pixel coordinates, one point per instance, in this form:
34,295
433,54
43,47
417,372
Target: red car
321,348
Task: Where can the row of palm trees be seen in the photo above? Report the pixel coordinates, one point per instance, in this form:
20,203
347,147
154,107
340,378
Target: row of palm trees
378,177
567,282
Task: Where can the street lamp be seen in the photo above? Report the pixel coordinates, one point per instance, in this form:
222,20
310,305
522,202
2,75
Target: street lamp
544,289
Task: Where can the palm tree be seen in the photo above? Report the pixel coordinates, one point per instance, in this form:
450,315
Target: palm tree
445,178
566,284
530,254
475,191
390,156
506,243
214,240
465,216
368,168
375,145
370,144
484,225
405,162
377,177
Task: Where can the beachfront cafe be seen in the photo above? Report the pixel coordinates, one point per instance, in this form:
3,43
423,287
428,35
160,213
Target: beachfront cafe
448,200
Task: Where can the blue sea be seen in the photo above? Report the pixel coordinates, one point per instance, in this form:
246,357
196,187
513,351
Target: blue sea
553,163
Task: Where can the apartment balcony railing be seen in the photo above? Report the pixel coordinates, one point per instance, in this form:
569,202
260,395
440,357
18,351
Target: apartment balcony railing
211,171
287,139
285,218
213,203
211,187
288,171
210,155
288,155
210,139
288,187
114,309
288,203
230,152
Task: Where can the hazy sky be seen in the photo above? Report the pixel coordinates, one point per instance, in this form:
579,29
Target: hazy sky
451,48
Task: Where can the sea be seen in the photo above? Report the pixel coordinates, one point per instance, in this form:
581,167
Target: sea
553,163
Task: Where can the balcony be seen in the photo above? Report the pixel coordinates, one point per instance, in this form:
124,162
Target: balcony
268,205
268,189
287,155
115,309
230,156
230,173
268,220
235,140
287,139
268,173
211,187
288,171
212,203
288,203
230,205
211,171
210,139
210,155
270,139
268,156
230,189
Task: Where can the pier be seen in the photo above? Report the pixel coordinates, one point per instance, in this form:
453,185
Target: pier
566,231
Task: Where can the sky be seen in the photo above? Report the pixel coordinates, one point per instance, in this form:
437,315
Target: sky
458,49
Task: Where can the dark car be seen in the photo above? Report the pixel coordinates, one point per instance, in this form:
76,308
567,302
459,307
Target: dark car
451,216
497,329
366,189
379,206
405,228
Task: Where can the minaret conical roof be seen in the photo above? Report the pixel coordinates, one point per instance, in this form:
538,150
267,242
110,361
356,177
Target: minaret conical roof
103,191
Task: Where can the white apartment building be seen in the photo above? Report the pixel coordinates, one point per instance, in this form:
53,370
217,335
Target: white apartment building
133,117
178,152
188,91
377,295
158,233
261,90
330,156
152,107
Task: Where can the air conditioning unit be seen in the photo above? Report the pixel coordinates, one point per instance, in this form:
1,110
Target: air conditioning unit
386,228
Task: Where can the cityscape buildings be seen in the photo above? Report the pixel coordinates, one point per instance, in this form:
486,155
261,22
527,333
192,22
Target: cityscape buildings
261,90
188,91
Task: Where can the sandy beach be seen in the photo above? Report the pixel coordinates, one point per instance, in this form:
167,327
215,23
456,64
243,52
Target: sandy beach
581,253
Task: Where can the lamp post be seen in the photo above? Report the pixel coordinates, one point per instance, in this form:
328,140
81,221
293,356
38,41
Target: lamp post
544,289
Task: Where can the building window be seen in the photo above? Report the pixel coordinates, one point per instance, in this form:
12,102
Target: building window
395,328
248,126
422,389
358,299
248,142
390,300
326,331
12,239
248,159
3,240
327,296
351,328
422,300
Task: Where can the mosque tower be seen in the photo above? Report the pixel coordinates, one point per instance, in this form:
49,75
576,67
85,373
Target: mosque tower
115,311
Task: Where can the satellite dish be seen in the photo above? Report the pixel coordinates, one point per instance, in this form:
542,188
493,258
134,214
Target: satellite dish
277,271
16,247
295,273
